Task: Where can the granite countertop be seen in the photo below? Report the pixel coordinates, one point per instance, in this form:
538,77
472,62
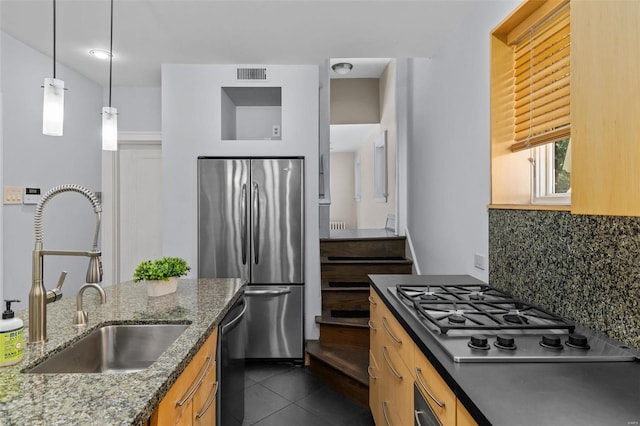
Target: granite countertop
112,399
525,394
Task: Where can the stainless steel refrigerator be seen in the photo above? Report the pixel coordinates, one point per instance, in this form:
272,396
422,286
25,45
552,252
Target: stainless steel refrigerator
251,225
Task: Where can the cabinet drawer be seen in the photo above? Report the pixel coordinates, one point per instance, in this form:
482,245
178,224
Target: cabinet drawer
204,401
397,382
437,393
395,337
177,407
376,332
375,389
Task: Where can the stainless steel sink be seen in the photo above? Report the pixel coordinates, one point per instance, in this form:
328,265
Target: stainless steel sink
113,349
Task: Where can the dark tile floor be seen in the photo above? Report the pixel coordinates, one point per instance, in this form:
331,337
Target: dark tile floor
283,394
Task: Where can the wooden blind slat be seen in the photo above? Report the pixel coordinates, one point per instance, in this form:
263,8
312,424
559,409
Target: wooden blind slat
541,89
541,129
551,136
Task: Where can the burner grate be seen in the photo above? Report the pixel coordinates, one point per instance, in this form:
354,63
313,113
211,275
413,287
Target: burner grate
477,307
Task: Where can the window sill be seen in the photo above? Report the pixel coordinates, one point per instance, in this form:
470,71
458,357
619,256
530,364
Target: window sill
556,207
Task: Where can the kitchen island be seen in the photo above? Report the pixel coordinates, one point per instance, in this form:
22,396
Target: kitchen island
112,399
522,393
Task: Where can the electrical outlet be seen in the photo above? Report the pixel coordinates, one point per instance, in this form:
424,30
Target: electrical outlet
12,195
275,131
479,261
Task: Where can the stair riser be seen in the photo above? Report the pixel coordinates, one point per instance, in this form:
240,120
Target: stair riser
345,300
360,272
331,334
350,388
363,248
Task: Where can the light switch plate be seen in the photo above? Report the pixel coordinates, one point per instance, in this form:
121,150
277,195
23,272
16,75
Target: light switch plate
12,195
479,261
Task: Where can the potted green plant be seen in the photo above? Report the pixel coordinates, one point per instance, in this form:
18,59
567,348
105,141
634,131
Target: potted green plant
161,275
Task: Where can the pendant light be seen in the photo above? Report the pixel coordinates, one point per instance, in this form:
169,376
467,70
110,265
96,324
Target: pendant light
110,114
53,105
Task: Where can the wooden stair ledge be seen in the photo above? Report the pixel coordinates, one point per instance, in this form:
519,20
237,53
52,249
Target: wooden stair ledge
345,321
350,361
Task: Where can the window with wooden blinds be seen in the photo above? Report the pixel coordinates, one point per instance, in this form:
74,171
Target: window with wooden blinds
541,72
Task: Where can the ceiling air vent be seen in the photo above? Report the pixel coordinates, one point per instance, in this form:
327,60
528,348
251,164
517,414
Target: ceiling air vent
252,73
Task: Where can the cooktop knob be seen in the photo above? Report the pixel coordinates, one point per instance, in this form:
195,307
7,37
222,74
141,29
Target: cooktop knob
551,341
505,342
578,341
478,342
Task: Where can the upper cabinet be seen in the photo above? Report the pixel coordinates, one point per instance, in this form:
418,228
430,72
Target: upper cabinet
605,107
564,107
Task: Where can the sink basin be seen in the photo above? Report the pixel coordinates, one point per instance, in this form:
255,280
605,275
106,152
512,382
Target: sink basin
113,349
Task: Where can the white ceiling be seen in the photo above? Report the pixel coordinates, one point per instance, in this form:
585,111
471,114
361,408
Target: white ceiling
148,33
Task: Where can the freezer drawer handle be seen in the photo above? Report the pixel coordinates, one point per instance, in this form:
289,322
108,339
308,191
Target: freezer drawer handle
243,203
426,389
256,223
266,292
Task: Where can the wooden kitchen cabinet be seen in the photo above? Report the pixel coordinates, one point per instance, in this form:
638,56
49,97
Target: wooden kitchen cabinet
605,64
396,363
463,418
191,399
391,399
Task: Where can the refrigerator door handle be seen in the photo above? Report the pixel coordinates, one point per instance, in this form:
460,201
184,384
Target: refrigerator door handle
243,231
266,292
256,223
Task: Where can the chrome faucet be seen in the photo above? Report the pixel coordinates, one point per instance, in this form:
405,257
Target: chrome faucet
39,297
80,317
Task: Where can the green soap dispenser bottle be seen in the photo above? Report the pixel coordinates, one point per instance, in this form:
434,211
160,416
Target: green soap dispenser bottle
11,337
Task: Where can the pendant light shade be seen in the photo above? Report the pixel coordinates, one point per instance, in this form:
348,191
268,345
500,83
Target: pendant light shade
109,129
53,107
110,114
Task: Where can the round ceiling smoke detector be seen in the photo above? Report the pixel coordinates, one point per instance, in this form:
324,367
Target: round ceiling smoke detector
342,67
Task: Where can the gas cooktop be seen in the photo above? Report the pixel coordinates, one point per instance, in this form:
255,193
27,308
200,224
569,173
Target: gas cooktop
479,323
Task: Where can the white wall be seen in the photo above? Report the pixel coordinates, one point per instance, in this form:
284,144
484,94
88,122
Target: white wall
448,148
139,108
32,159
343,204
191,126
255,123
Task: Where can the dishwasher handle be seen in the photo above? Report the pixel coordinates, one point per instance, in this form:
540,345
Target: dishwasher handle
234,321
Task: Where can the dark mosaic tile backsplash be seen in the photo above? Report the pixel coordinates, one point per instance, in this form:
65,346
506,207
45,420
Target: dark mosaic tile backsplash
585,268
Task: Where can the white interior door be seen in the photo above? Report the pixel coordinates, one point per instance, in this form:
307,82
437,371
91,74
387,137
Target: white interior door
140,205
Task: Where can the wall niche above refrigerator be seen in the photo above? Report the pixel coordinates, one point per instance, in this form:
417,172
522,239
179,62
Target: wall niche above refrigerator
251,113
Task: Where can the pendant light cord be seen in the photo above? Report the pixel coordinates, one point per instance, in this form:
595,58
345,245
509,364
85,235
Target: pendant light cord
54,39
110,53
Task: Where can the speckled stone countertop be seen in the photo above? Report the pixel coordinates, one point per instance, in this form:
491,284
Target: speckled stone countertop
112,399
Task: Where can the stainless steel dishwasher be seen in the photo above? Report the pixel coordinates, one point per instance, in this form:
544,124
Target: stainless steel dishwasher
232,342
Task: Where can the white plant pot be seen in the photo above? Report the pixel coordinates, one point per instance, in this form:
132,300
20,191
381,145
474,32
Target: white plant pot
160,288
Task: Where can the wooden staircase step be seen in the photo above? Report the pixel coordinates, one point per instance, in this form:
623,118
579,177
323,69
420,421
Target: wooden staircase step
351,300
338,286
352,332
342,368
346,271
380,247
325,318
